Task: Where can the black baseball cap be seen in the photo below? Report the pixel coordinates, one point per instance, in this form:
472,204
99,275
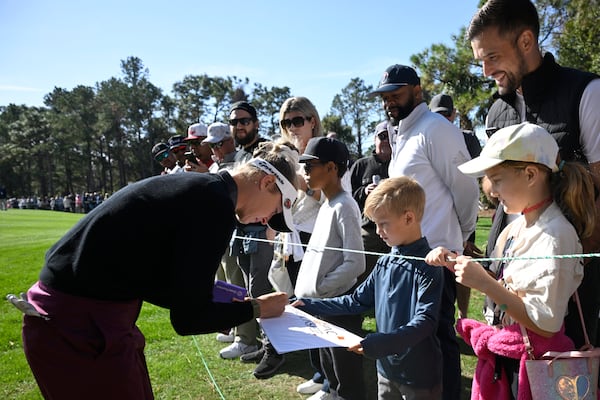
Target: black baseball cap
441,103
243,105
159,148
176,142
326,149
394,78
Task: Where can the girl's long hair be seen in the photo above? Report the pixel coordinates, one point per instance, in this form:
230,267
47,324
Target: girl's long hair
574,192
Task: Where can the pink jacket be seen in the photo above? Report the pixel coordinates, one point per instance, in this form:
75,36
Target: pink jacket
487,341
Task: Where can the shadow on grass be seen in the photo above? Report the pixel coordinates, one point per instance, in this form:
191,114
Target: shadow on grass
298,365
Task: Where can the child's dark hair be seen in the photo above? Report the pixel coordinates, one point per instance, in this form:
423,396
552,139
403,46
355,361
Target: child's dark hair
341,169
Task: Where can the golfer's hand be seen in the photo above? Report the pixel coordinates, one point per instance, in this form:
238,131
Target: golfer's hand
272,304
297,303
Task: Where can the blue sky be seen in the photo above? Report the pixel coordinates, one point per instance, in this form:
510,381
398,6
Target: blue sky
315,47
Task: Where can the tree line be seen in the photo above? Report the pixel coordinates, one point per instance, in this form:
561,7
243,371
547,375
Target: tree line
99,139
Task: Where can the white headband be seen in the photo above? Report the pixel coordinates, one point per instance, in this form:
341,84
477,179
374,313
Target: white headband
288,195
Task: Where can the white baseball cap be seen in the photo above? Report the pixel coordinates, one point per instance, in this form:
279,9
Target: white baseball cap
217,132
196,131
523,142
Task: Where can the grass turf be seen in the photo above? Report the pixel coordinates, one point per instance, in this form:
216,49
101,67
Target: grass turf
180,367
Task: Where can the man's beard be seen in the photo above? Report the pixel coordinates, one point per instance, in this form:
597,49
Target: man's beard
514,80
249,138
401,112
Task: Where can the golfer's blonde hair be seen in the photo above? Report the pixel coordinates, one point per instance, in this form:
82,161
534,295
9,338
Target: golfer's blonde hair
280,156
396,196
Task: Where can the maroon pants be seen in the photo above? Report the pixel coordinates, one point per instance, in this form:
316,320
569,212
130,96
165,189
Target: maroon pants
89,349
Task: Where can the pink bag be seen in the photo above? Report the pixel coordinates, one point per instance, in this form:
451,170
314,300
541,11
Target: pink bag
570,375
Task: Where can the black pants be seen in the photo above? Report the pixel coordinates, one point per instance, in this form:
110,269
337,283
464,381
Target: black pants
343,369
589,296
511,368
446,334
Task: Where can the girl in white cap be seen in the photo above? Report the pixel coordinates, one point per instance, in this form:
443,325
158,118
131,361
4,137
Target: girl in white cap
553,198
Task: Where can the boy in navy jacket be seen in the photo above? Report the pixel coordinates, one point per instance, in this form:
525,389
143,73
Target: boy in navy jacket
405,294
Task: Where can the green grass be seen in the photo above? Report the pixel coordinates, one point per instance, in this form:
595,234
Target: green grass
176,364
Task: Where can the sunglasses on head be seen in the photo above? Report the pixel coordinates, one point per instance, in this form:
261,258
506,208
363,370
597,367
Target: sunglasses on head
383,136
296,121
162,156
243,121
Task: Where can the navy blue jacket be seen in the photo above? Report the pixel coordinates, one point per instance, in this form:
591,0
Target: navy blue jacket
406,296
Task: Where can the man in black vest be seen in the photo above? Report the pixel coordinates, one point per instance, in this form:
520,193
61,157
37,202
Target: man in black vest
533,87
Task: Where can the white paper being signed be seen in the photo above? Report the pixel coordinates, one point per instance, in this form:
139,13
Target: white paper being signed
297,330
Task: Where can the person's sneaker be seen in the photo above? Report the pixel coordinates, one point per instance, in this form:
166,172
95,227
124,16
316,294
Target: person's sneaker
309,387
236,349
255,356
321,395
226,337
269,364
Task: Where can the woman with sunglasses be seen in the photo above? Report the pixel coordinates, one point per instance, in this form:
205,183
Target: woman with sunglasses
300,122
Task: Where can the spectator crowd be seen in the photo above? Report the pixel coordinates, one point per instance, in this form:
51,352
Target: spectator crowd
413,202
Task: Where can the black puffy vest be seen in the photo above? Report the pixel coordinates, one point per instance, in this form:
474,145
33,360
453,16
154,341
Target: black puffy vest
552,95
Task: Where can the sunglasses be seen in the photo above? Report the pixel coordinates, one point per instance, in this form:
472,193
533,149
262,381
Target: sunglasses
308,166
296,121
243,121
217,145
162,156
194,142
383,136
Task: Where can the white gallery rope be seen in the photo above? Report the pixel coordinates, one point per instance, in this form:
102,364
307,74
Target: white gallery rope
373,253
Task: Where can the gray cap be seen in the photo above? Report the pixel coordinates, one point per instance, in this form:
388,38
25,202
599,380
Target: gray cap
217,132
442,103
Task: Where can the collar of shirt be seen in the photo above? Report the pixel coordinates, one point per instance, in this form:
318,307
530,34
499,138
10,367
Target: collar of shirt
231,186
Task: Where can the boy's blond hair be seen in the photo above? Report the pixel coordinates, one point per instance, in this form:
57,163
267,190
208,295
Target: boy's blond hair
396,196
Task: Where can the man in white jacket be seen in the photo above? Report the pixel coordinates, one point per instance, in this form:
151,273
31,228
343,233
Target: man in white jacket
426,147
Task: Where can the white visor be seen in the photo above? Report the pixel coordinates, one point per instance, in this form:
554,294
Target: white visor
281,222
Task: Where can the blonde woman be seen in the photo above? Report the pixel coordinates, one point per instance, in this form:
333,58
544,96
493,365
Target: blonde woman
299,122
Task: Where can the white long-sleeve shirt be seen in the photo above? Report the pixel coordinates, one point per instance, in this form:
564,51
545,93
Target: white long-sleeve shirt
326,272
428,148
